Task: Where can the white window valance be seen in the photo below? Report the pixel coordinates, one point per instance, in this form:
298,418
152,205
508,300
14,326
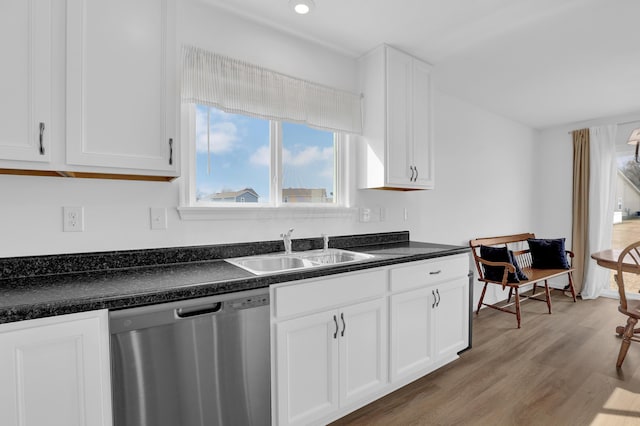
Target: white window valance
243,88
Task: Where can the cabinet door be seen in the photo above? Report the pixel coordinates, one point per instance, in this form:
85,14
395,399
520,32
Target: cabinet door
306,368
398,117
451,317
55,371
25,83
411,333
363,350
422,143
121,84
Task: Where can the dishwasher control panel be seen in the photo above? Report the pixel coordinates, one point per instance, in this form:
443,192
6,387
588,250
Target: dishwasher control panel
248,302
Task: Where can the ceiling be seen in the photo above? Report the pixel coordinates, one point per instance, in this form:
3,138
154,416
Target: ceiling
539,62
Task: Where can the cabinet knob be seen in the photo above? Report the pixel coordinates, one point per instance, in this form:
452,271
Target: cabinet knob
433,305
412,173
344,324
415,179
438,294
170,151
335,320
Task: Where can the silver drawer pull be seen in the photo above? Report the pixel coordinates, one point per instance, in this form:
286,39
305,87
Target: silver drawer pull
435,272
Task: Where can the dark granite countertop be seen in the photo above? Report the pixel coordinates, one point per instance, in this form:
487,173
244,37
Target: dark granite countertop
41,286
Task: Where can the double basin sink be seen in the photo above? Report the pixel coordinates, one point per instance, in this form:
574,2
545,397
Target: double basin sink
284,262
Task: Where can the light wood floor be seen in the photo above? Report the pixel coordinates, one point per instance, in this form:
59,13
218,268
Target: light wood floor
557,369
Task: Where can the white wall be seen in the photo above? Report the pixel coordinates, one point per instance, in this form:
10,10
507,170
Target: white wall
484,171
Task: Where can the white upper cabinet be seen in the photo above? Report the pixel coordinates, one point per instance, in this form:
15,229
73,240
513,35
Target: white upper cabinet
25,80
398,148
121,89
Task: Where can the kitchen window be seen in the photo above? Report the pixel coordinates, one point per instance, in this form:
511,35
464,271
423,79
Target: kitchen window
242,159
262,140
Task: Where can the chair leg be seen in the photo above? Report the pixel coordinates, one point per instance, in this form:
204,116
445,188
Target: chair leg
484,290
510,294
626,341
517,305
533,290
573,290
548,294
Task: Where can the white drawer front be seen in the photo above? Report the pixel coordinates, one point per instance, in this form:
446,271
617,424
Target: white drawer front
327,293
429,272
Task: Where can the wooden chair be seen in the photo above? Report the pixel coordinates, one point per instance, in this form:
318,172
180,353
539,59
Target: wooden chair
630,308
523,257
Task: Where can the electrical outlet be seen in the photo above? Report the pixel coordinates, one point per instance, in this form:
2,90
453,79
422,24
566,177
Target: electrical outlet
365,214
158,218
73,219
383,214
405,214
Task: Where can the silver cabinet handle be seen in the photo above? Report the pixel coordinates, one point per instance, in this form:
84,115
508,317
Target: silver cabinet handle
435,272
416,178
41,138
438,293
412,172
170,151
433,305
344,324
335,334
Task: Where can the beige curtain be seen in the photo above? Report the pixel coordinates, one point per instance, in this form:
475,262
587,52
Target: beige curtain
580,232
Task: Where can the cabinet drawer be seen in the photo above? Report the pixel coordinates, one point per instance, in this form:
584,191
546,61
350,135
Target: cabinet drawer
429,272
327,293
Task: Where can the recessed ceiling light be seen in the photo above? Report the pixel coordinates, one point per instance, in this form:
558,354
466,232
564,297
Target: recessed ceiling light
302,7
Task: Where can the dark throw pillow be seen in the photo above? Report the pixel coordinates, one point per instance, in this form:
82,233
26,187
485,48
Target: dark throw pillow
497,254
521,275
548,253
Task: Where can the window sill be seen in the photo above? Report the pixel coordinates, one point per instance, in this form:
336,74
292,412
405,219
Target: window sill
255,213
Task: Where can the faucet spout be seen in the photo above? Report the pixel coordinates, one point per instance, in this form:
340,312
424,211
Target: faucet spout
325,242
286,239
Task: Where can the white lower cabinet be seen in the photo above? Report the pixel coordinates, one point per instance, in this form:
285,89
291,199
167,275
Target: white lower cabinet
341,342
428,325
429,318
411,346
329,360
451,317
55,371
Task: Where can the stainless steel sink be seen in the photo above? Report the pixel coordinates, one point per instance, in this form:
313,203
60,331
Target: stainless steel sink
334,256
267,264
281,262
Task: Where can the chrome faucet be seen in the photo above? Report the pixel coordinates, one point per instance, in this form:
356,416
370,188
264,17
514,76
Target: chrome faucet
325,239
286,239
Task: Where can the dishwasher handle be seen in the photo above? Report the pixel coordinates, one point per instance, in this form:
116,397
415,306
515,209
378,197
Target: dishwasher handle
192,311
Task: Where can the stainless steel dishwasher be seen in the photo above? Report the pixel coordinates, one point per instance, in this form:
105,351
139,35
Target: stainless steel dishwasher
198,362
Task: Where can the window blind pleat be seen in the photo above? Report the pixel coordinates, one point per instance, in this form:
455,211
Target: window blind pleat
243,88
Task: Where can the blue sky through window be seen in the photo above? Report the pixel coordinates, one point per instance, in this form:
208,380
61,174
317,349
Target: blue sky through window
238,154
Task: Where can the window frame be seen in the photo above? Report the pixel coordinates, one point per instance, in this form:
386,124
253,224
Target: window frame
189,209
